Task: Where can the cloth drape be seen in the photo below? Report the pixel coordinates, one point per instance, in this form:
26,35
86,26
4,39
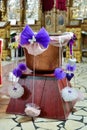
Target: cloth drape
61,4
47,5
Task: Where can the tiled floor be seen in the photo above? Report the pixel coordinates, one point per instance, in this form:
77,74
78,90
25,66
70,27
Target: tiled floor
76,120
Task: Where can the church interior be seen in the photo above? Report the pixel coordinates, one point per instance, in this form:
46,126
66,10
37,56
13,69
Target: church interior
43,65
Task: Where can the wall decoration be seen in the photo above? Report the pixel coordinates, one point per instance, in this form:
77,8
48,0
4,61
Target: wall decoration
13,10
48,20
79,9
61,20
32,7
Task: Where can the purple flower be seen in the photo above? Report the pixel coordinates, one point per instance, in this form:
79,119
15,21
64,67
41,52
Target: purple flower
22,66
17,72
71,67
59,73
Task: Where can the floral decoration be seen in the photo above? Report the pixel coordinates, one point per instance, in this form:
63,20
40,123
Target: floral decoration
13,45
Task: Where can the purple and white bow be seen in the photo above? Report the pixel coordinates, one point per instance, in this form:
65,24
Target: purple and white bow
29,37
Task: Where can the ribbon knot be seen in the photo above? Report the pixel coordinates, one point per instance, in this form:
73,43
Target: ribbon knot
33,40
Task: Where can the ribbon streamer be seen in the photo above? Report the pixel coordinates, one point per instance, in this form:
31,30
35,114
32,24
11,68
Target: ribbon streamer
71,43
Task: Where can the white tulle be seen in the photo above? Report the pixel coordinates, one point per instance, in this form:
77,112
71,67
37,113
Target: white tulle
35,49
32,110
61,40
12,77
69,94
15,91
72,61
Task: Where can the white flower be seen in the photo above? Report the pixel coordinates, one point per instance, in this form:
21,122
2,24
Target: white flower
69,94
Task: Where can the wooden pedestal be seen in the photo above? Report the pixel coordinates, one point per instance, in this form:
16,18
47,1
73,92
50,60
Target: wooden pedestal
47,96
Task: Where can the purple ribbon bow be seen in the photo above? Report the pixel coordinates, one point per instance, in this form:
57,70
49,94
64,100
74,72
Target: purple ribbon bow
27,36
71,42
